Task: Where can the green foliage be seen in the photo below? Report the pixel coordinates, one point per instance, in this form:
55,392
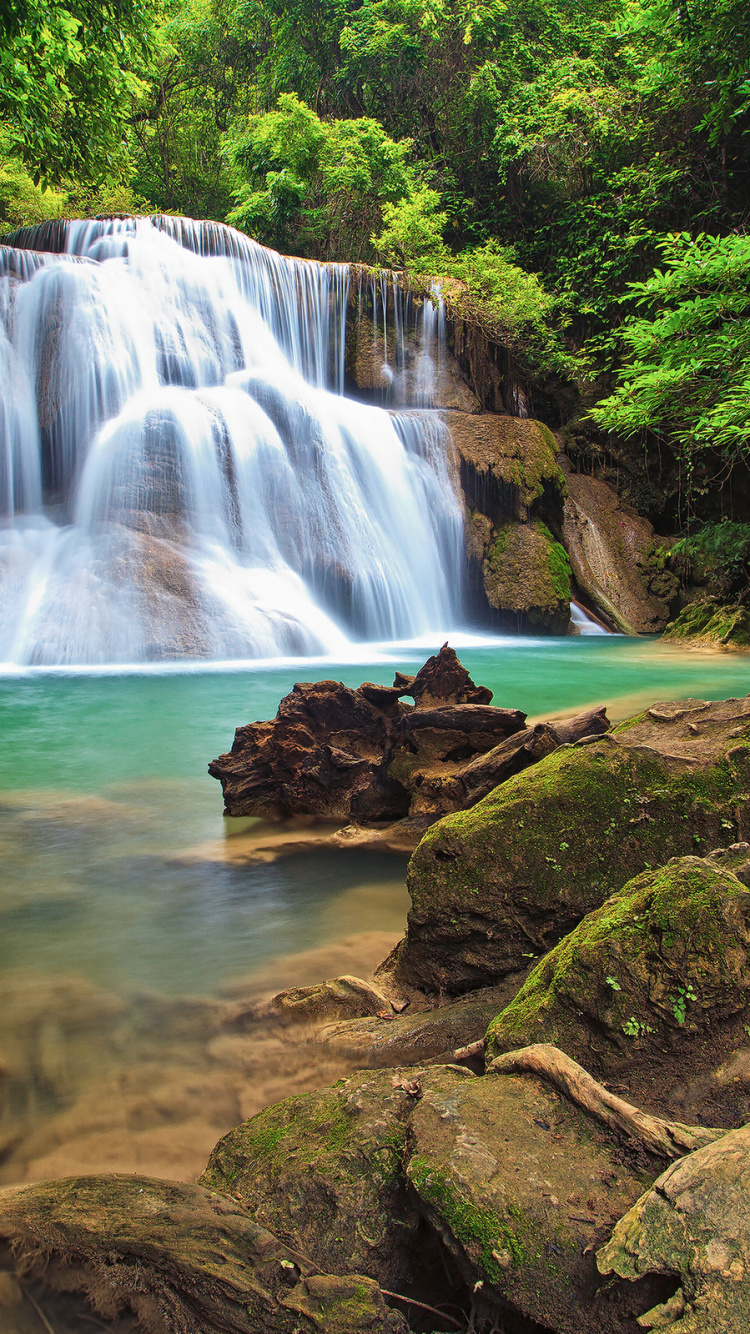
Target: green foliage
413,233
687,362
22,202
719,553
70,74
315,186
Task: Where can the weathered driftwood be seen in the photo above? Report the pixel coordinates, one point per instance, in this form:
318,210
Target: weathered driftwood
184,1259
665,1139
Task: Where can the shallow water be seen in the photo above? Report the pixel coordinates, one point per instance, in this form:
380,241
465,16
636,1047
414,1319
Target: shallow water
116,900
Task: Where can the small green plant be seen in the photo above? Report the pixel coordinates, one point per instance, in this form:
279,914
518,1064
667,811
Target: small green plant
613,983
681,1001
635,1028
564,847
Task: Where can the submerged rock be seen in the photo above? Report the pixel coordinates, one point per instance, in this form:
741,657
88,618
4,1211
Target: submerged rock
422,1035
664,961
342,998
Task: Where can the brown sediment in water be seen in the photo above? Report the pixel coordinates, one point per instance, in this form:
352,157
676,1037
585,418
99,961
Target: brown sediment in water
92,1082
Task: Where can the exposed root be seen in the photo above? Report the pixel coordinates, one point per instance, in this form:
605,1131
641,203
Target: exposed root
664,1139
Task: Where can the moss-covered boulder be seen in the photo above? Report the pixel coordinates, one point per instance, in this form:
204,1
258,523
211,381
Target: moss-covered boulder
327,1169
692,1227
507,463
526,574
497,885
665,959
709,624
517,1183
442,1186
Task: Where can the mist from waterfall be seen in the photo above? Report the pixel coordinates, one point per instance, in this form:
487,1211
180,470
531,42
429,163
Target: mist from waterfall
181,475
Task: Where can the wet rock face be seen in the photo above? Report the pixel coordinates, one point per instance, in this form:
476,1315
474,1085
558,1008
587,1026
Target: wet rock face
608,545
510,477
495,885
661,963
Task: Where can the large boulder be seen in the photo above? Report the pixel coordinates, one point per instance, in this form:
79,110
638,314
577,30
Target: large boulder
326,1169
511,478
526,576
440,1185
610,548
693,1227
498,884
660,965
517,1184
507,463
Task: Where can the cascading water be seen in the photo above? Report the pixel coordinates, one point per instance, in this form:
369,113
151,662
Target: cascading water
177,478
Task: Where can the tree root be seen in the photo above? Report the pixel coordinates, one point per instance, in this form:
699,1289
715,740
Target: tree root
664,1139
183,1259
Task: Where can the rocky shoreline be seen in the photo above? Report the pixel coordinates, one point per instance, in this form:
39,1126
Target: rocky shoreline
548,1123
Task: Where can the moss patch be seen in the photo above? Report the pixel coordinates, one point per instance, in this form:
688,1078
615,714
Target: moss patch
480,1232
707,623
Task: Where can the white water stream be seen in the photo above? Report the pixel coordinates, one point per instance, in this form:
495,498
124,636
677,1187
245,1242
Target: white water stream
180,473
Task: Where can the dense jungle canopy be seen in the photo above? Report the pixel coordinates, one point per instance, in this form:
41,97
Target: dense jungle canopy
577,169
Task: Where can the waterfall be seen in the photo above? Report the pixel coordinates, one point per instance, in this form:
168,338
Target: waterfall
181,474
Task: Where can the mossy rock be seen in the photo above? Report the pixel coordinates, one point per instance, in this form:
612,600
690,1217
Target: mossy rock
527,573
664,960
514,460
327,1169
705,623
517,1182
693,1227
494,886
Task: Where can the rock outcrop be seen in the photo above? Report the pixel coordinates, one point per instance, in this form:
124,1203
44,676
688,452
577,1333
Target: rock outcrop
366,756
512,483
707,624
609,547
526,575
506,880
